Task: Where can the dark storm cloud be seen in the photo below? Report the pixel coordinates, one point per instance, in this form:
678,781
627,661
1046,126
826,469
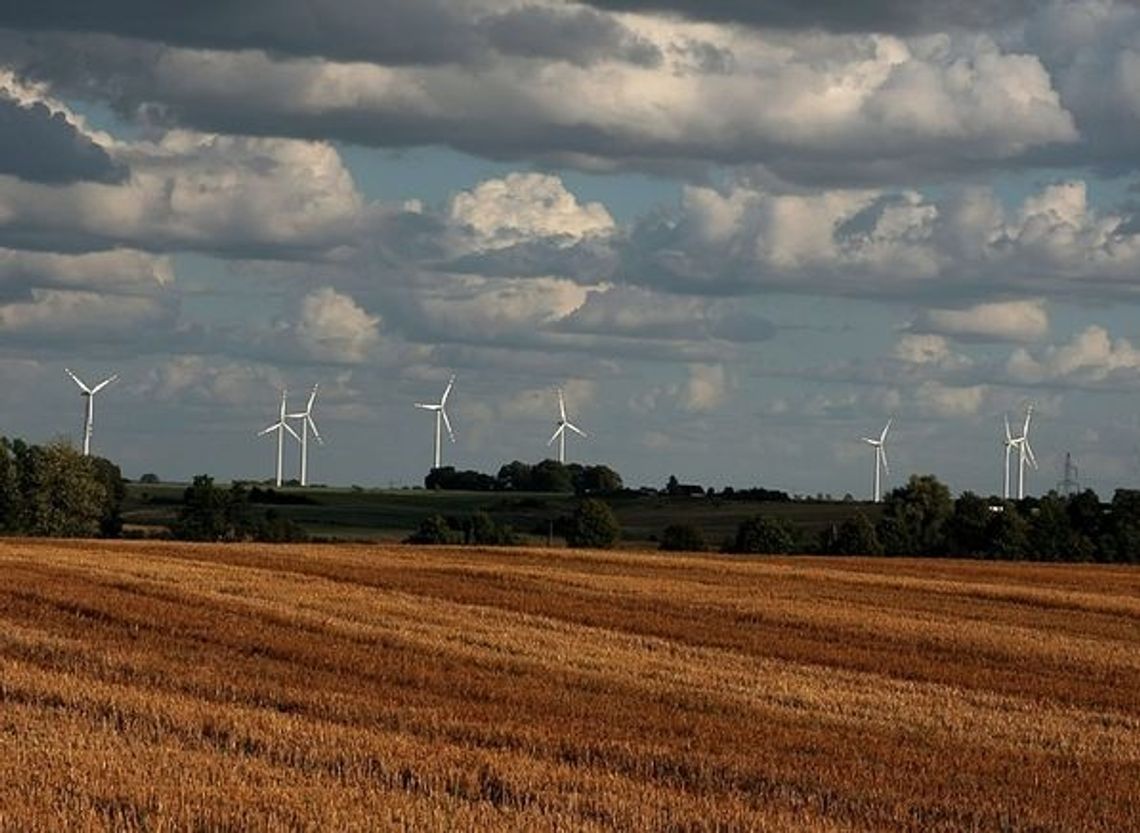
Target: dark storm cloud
899,16
579,37
41,146
384,31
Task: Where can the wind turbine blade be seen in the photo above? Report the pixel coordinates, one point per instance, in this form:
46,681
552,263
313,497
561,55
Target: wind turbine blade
869,440
886,428
561,406
427,407
1029,454
1028,415
1008,433
446,392
77,381
312,398
104,383
575,429
447,422
283,395
554,436
289,428
313,425
883,457
265,431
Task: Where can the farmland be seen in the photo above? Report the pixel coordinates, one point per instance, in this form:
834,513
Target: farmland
390,515
155,686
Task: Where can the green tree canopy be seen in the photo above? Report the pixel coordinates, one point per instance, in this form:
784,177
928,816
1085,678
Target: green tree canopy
760,534
682,538
593,524
914,517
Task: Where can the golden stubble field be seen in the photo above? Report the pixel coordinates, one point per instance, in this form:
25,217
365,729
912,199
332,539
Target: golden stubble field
159,686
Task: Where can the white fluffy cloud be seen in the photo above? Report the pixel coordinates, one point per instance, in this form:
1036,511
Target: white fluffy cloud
116,270
827,100
198,191
881,243
53,314
521,207
333,327
996,321
947,401
930,350
1092,356
706,388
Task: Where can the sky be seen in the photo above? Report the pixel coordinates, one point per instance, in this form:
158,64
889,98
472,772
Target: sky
740,235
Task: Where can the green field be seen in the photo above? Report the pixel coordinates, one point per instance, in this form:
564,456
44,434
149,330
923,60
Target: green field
391,514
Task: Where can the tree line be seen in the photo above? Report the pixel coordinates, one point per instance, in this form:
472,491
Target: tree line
922,519
517,476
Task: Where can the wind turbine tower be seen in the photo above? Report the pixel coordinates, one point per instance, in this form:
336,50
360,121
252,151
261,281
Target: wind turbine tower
89,412
1010,445
881,466
563,424
440,420
281,426
306,418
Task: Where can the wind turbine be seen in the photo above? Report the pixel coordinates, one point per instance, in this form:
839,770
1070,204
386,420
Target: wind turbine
306,418
440,420
281,426
880,446
563,424
1024,452
89,413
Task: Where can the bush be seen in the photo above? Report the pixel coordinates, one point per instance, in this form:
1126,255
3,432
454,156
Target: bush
274,528
771,536
483,530
434,529
593,525
856,536
682,538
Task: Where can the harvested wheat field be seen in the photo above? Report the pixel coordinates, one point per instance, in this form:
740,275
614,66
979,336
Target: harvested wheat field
159,686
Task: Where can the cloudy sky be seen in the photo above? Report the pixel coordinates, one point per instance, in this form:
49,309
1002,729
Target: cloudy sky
740,234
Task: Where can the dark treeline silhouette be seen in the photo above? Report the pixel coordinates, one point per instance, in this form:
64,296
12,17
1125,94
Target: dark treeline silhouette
53,490
922,519
211,513
516,476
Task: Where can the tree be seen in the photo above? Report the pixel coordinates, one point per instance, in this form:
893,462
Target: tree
150,478
516,476
485,532
204,512
968,529
1051,533
61,494
597,480
914,516
107,473
1008,534
277,529
551,476
759,534
433,529
1121,540
682,538
593,524
9,488
856,536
